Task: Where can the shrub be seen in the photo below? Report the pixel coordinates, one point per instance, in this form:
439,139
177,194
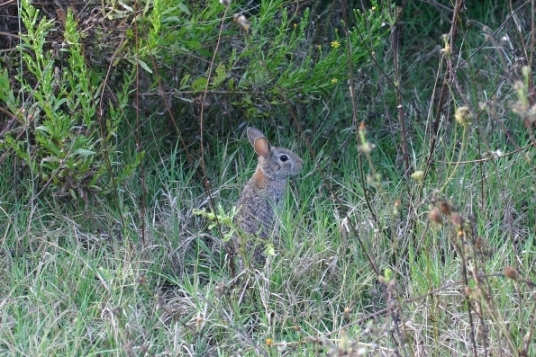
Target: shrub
62,139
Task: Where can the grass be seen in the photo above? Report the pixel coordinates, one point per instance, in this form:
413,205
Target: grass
369,262
81,292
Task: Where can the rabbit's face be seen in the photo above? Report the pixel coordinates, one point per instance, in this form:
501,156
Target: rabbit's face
277,164
281,164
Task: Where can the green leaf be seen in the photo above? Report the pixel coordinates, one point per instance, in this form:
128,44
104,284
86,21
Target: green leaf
199,84
44,128
184,8
221,74
84,152
145,66
184,82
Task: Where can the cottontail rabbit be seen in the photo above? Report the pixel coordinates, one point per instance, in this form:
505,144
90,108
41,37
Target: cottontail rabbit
263,194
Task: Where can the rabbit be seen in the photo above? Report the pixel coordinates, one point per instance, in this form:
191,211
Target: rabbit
262,195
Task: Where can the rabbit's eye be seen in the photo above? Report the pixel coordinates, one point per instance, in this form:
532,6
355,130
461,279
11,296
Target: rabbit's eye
283,158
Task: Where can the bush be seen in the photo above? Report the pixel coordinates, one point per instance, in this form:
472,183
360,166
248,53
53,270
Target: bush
61,138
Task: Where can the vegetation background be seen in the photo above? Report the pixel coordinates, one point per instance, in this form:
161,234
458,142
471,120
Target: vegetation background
411,231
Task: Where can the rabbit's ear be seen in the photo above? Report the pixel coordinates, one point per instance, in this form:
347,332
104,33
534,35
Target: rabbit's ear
254,134
262,147
259,142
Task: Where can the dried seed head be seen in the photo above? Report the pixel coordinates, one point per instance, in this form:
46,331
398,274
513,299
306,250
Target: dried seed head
475,293
511,272
242,22
447,50
418,175
198,323
366,147
445,207
396,207
456,219
480,243
435,216
463,116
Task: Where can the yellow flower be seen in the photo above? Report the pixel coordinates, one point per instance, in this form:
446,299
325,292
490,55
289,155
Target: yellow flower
334,80
335,44
373,8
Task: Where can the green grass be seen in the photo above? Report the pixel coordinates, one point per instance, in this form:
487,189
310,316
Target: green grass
85,293
361,266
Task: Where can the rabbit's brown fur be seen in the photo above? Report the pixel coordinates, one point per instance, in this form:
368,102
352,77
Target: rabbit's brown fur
263,194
